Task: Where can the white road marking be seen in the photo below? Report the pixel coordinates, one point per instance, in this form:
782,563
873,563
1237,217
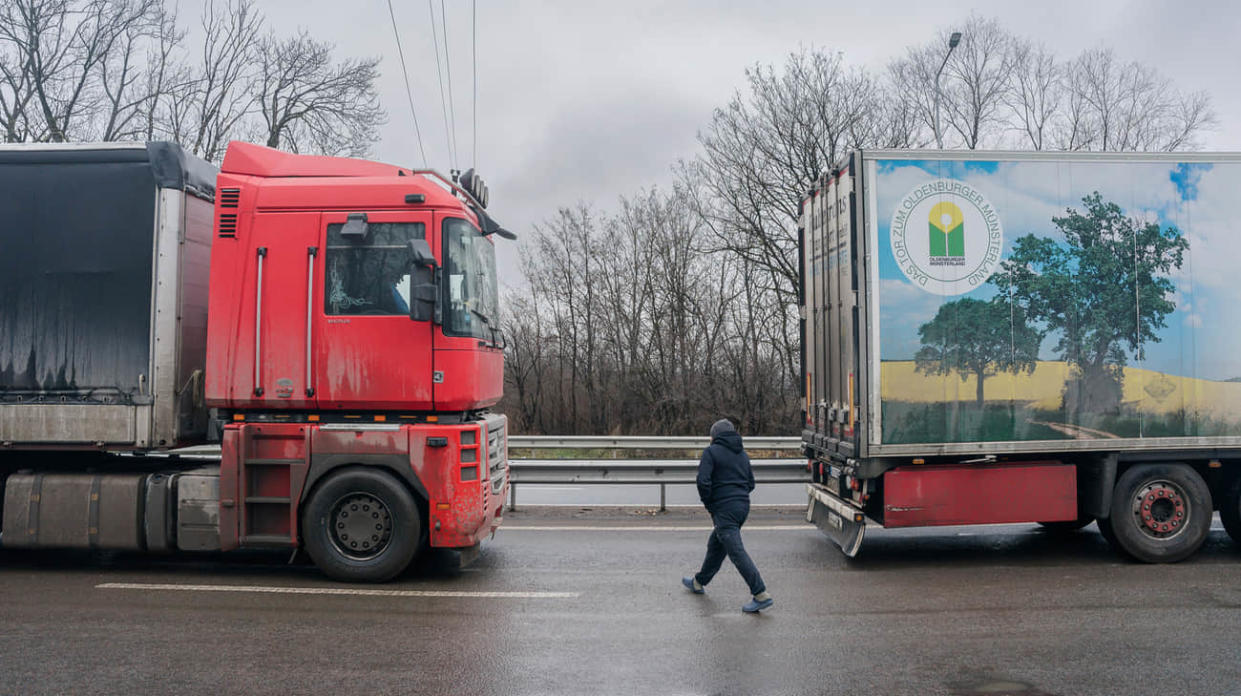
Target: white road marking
362,592
649,528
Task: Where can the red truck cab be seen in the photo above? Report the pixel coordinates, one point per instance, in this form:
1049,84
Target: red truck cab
352,353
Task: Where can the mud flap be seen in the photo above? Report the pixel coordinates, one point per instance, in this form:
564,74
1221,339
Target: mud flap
841,522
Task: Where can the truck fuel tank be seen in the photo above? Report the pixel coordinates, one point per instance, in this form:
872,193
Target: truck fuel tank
74,511
119,512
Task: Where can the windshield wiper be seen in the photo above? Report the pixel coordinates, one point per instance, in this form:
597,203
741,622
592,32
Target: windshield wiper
494,331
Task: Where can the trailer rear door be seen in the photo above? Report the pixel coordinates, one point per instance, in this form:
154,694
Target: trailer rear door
830,316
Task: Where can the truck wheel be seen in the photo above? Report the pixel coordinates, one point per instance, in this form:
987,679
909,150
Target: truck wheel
1230,510
1161,513
1105,529
361,525
1066,526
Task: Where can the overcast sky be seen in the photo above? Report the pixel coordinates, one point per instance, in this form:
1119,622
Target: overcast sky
587,100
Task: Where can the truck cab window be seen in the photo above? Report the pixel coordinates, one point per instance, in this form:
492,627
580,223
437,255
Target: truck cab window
470,290
370,276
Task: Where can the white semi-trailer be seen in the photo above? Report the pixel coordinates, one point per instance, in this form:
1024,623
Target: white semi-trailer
996,337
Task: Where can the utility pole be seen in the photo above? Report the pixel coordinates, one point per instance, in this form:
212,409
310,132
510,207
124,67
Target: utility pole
952,43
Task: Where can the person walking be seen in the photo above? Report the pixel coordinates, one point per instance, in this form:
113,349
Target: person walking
725,480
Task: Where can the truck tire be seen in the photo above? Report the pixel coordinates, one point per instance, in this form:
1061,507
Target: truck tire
1161,513
1105,529
1230,510
361,525
1067,525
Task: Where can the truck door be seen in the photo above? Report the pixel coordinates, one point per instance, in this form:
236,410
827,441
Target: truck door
369,355
280,266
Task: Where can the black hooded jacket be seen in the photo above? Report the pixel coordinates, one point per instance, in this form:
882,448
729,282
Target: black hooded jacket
724,471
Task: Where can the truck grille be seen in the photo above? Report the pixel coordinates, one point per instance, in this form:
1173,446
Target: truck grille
497,452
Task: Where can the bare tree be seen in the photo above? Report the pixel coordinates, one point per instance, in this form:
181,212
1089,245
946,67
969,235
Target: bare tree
135,73
1130,107
309,102
1035,92
972,87
892,122
55,54
979,71
1075,129
117,70
168,78
912,80
761,151
631,324
16,87
212,108
760,155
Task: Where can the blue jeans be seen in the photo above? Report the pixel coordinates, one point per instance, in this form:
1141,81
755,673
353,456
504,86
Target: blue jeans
725,540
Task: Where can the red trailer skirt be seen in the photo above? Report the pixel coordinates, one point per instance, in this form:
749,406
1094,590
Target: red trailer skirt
926,496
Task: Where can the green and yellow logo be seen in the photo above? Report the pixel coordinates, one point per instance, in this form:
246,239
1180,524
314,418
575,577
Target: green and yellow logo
947,230
940,258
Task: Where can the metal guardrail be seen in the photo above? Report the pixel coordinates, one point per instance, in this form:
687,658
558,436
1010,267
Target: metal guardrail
661,472
620,471
641,442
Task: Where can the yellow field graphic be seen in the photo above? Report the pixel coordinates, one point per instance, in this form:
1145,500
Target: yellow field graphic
1144,390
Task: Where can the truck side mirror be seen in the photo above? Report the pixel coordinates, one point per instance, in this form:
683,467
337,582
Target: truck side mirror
420,253
424,288
354,227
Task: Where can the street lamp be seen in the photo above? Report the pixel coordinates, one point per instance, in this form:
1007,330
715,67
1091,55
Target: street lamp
952,43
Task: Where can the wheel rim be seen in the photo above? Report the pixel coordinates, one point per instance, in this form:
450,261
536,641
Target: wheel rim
1161,509
360,526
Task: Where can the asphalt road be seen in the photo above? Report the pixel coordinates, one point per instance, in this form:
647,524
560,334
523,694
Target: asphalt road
584,603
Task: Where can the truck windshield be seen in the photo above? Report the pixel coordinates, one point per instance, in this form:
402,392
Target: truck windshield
470,289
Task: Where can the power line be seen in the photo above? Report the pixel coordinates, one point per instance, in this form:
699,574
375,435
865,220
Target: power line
474,68
452,112
408,92
439,73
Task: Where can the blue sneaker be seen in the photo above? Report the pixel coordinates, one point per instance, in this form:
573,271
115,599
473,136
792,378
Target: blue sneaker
754,606
689,585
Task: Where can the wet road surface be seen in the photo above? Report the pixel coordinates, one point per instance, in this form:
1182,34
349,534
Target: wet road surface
580,603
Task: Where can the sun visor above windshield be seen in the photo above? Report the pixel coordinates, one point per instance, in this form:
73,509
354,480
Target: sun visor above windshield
256,160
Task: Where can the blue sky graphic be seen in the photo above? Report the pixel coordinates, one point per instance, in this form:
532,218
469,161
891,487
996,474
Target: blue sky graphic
1192,197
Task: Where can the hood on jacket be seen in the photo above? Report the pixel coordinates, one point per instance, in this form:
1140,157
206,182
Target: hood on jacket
730,439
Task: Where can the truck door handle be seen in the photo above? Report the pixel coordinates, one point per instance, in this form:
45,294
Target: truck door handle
258,325
311,252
